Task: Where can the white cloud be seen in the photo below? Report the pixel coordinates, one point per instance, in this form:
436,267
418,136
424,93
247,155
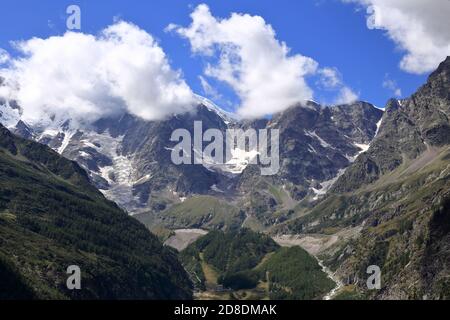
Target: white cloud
331,79
346,95
209,90
257,66
419,27
4,56
86,77
391,85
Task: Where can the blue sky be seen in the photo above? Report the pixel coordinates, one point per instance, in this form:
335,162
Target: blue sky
332,33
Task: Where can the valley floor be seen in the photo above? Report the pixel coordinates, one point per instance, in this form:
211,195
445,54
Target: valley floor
184,237
313,244
214,291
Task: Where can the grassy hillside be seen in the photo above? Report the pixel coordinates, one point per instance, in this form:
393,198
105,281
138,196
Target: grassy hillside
51,217
204,212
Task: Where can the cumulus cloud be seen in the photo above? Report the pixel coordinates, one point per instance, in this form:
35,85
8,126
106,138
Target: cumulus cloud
419,27
86,77
259,68
392,86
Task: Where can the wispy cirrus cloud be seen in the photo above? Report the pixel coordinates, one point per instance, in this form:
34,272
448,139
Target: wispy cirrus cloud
391,85
331,79
208,89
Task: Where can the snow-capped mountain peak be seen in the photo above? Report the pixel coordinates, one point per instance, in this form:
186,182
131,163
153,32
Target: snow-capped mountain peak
226,116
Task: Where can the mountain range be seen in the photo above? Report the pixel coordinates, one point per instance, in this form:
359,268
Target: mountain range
357,186
128,158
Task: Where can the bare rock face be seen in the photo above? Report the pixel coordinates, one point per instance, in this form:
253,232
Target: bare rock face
408,127
317,142
398,194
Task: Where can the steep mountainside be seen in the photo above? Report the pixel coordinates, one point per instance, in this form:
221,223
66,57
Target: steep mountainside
316,145
409,128
397,195
317,142
52,217
129,160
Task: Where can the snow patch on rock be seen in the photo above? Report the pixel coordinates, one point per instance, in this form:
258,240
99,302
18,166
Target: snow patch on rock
326,185
322,142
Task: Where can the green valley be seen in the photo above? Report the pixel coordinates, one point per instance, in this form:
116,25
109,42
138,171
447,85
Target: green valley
249,265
